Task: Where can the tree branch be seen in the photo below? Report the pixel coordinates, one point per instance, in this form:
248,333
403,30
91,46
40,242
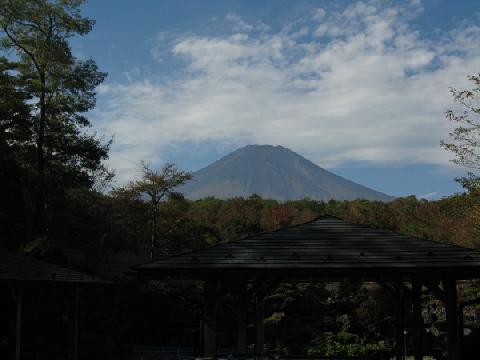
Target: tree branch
24,49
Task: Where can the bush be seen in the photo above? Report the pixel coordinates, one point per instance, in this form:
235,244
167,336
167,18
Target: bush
333,348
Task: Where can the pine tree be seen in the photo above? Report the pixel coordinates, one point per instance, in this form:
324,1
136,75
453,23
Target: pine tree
35,34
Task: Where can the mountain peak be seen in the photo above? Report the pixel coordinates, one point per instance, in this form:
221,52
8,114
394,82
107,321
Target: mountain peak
261,148
273,172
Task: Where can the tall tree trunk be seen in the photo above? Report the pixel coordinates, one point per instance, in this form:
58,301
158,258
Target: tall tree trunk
40,201
154,226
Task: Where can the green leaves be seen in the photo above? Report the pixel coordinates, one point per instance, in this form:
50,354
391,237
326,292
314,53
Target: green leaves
333,348
159,184
465,143
61,87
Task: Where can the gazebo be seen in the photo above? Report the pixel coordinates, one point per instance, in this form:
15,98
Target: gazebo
326,249
20,273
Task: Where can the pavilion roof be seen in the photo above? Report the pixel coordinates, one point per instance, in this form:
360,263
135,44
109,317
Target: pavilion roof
326,247
16,266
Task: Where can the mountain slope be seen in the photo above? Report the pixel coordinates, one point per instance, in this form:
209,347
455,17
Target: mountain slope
273,172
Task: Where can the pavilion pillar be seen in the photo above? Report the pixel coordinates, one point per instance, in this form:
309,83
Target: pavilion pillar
259,321
210,319
18,322
399,321
461,329
451,310
242,322
417,318
75,325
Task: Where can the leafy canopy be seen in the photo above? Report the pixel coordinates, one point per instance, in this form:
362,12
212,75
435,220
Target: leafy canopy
157,185
465,138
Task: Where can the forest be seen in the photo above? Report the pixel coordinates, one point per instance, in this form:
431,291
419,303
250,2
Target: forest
58,198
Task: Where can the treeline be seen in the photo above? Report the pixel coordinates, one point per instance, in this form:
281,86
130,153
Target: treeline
115,222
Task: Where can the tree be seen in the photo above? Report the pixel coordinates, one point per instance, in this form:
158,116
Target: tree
14,109
465,137
156,186
14,134
61,89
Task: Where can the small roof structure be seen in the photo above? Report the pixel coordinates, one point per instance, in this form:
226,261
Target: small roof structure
23,270
323,248
16,266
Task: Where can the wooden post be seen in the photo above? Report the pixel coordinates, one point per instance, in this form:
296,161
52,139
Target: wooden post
399,321
451,310
210,319
259,319
417,318
242,322
18,323
461,325
200,340
75,324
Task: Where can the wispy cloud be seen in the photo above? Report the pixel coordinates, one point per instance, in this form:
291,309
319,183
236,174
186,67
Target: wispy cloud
355,85
430,195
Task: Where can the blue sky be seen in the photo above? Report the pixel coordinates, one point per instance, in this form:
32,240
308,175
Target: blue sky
360,88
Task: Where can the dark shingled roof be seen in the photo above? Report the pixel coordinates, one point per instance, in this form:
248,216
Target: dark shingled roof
326,247
16,266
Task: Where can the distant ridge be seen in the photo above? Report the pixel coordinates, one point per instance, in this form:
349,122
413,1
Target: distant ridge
273,172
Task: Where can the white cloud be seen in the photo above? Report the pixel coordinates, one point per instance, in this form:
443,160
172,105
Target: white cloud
318,14
429,195
365,87
239,24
